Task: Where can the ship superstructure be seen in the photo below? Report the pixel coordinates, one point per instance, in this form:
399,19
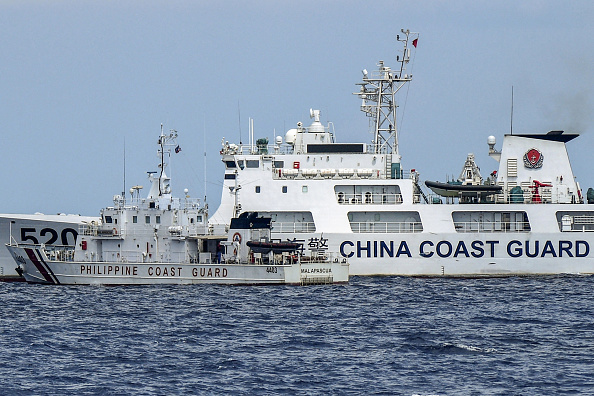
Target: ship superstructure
529,217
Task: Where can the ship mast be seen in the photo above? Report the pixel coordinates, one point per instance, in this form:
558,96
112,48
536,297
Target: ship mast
166,143
378,94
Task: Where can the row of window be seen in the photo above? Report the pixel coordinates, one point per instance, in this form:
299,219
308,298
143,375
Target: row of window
147,219
284,189
251,164
407,222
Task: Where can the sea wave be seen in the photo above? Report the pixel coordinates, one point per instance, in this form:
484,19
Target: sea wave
375,335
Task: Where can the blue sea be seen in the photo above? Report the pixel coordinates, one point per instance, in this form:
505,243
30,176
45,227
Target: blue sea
375,335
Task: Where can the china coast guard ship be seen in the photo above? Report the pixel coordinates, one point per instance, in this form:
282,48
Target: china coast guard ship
165,240
529,217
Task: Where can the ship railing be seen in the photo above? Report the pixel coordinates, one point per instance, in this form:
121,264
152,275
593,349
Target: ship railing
333,173
398,227
313,256
527,198
116,231
178,203
325,173
435,199
58,252
322,256
93,229
135,256
368,198
111,230
272,149
198,230
577,223
246,149
293,227
490,226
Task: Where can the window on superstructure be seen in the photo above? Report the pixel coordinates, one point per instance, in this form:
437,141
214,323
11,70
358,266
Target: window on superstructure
279,164
257,189
199,219
385,222
230,164
576,221
368,194
252,164
134,219
303,189
290,222
147,219
158,219
108,219
491,221
284,189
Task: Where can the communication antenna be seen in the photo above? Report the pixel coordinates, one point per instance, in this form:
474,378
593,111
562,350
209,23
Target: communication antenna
162,152
378,96
239,121
511,122
204,145
124,186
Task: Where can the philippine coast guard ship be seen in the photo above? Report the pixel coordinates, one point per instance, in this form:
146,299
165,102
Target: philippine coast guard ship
529,217
166,240
36,228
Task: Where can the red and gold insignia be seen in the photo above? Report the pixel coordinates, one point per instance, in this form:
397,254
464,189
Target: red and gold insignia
533,159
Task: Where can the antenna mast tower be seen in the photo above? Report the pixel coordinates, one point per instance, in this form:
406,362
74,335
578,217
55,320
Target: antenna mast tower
378,94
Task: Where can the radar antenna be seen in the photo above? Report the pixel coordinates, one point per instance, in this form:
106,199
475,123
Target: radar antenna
378,91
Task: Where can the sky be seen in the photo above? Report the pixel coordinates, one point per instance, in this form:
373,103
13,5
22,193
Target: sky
83,82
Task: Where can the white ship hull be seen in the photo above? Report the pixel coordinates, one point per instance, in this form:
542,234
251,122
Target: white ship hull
37,268
35,228
497,249
462,255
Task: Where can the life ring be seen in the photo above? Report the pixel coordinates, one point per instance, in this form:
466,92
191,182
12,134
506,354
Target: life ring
237,237
115,231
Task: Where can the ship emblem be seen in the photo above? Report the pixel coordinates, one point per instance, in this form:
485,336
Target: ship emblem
533,159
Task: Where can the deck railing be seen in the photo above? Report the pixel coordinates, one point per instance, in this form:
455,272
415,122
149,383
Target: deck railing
368,198
291,227
488,226
386,227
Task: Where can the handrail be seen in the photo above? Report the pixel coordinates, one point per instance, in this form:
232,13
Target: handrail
368,198
489,226
386,227
295,227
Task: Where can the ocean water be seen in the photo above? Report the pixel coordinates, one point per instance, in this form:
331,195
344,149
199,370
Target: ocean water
376,335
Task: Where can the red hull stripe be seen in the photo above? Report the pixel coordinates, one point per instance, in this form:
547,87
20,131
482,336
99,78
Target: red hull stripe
40,267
